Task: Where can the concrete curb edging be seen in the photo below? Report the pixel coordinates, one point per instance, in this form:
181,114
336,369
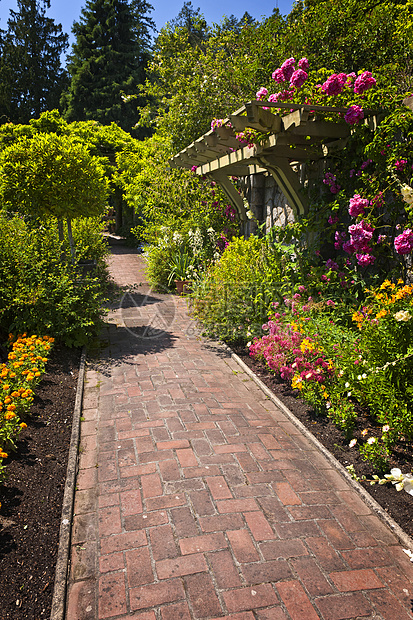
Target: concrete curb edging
368,499
60,584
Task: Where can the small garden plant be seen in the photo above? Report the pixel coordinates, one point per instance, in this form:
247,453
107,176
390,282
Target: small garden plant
18,378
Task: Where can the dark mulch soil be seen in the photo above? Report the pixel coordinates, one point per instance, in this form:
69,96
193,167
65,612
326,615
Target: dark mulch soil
32,496
31,499
398,504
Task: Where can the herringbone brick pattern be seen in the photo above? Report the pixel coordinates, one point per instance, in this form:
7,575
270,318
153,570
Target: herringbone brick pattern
197,498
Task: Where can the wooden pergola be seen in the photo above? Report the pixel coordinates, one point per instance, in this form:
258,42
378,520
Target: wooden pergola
303,134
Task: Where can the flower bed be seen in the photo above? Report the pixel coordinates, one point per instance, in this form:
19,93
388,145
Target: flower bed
26,365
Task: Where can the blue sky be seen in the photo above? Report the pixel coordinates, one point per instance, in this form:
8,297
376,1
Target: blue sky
66,12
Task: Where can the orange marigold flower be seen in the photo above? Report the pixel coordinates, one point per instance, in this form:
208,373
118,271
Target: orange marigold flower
23,425
6,387
7,400
3,455
9,415
12,375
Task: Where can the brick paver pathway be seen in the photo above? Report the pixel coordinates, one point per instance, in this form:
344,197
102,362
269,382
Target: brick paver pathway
197,498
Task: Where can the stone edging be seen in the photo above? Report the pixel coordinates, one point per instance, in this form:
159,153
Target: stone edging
60,584
366,497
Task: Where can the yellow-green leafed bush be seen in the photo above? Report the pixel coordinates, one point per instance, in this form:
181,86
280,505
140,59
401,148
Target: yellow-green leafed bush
233,299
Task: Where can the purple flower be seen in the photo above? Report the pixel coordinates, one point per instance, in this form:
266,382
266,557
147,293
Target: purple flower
364,82
364,260
340,238
403,244
333,219
304,64
288,68
381,238
365,164
298,78
354,115
348,247
330,264
357,205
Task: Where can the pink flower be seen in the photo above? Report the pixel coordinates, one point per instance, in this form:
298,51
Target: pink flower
278,76
364,260
357,205
400,164
334,84
378,200
298,78
403,244
304,64
333,219
261,93
288,68
364,82
194,168
354,115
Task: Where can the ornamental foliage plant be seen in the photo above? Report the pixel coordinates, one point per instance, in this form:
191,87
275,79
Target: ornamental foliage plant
40,293
18,378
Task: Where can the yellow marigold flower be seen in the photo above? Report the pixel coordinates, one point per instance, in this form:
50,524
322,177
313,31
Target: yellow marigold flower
3,455
38,374
12,375
23,425
44,359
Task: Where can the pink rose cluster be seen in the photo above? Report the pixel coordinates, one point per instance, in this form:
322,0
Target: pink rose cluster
354,115
357,205
403,244
331,180
334,84
364,81
361,235
288,73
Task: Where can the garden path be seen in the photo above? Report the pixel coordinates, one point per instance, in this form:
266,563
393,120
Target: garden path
198,498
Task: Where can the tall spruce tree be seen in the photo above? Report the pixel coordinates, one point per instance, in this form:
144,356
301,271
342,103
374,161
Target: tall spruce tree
108,62
31,76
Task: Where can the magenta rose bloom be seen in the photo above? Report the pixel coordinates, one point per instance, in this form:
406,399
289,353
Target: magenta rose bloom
403,244
354,115
298,78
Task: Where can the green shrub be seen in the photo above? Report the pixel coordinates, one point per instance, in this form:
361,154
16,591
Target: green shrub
234,298
41,294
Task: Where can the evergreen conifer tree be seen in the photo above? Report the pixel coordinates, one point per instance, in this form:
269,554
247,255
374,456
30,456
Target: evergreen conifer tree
31,76
108,62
